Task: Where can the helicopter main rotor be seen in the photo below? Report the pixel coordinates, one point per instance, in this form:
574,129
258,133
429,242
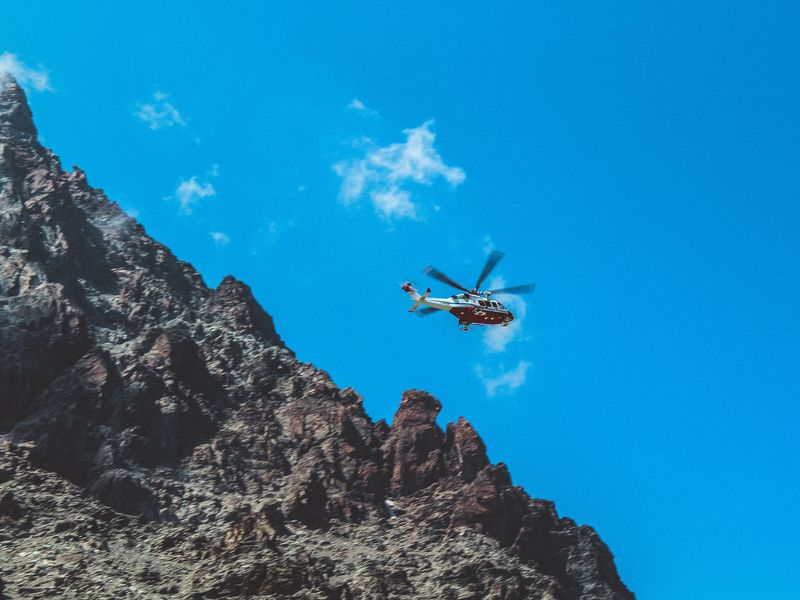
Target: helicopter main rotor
491,262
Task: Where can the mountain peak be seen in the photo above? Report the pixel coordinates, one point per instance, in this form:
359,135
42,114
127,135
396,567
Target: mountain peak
159,432
15,113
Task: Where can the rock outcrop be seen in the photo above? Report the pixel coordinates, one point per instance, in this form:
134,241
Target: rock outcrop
157,437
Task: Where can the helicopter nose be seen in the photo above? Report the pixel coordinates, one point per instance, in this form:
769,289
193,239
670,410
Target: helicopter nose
406,287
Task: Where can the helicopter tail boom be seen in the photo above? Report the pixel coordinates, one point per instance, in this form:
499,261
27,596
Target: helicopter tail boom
415,296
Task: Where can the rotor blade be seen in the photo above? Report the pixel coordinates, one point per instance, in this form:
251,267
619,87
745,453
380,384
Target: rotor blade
437,274
425,311
516,289
491,263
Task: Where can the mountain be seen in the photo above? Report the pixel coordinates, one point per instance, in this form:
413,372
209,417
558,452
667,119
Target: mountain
158,438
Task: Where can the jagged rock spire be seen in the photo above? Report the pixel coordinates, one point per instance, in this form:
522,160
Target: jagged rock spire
15,115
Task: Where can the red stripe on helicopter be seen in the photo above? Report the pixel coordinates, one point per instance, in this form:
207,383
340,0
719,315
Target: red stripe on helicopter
474,314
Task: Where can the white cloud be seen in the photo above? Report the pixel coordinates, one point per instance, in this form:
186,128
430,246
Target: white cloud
394,202
416,159
488,245
383,174
496,339
190,191
504,382
38,79
220,238
358,105
354,176
159,113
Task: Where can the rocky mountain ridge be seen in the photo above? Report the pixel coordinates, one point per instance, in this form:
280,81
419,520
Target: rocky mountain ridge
158,439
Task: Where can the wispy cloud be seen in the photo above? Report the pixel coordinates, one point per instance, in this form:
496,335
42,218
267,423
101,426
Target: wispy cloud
393,202
37,79
190,191
497,339
220,238
384,174
159,113
358,106
503,381
269,234
488,244
276,228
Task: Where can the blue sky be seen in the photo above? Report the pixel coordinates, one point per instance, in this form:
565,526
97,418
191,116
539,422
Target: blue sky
639,162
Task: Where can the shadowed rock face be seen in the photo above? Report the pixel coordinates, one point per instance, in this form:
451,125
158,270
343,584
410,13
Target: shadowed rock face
158,435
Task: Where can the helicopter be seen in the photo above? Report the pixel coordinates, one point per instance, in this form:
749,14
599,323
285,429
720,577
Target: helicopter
471,307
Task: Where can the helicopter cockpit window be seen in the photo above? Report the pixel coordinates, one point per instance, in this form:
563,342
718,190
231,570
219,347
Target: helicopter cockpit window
482,302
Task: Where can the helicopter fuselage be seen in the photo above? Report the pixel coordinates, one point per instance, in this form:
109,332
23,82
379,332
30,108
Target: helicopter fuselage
469,308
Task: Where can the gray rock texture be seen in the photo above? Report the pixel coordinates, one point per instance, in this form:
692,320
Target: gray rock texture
158,439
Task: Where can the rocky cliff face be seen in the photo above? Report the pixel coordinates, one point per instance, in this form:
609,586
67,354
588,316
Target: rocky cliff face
157,438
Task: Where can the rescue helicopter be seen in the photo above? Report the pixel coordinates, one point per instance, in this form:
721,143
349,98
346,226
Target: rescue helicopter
471,307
